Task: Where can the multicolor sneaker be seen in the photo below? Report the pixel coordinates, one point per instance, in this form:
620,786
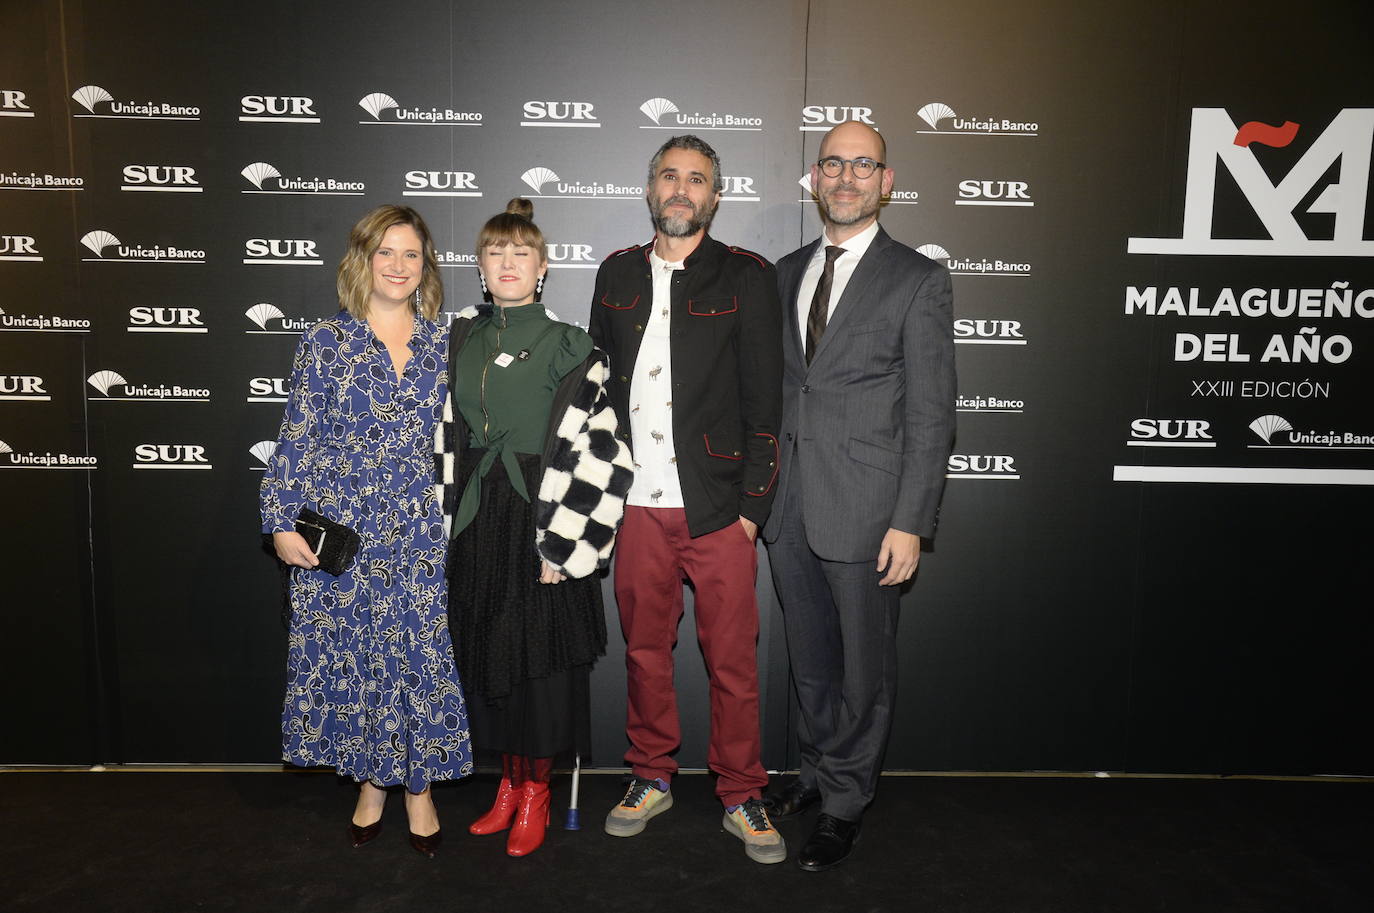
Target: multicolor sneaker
749,822
643,800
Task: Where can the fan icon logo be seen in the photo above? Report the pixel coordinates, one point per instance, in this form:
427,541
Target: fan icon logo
262,451
536,178
1266,426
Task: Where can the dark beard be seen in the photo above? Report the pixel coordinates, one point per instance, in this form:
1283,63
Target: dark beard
677,226
862,210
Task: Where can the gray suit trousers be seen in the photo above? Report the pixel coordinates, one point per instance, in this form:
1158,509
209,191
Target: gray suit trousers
842,640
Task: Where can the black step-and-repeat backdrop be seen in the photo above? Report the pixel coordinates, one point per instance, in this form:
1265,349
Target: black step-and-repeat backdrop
1154,553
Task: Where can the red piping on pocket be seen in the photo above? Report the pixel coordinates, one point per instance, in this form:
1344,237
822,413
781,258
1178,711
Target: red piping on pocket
723,456
734,306
776,460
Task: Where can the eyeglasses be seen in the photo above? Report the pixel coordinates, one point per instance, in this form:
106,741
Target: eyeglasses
833,166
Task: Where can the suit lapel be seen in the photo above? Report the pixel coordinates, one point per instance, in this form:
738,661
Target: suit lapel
855,295
791,286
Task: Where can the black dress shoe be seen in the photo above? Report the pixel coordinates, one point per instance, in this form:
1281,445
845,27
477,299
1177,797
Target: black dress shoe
791,801
427,846
828,844
364,834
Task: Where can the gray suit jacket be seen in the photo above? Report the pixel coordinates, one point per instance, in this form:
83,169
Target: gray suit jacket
867,428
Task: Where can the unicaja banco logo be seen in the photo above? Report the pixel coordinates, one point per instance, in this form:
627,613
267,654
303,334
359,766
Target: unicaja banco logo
539,177
376,103
655,108
112,387
262,451
90,96
975,266
1266,426
263,312
258,172
379,104
104,380
936,112
97,241
536,178
267,179
13,459
1348,139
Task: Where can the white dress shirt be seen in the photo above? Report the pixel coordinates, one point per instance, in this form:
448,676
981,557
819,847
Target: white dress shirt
854,250
651,401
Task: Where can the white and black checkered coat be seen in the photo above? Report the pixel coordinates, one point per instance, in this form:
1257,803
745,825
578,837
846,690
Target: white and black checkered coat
585,470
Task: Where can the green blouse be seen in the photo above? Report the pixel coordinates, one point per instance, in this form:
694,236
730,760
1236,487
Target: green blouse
508,371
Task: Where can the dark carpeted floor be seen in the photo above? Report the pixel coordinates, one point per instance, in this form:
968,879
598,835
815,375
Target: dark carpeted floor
150,842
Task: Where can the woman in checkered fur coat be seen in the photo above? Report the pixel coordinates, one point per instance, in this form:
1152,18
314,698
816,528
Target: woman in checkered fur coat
533,477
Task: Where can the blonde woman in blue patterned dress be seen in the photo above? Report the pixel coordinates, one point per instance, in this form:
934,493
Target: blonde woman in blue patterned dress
372,689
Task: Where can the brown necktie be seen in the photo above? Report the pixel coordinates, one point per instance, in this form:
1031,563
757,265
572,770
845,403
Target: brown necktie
820,302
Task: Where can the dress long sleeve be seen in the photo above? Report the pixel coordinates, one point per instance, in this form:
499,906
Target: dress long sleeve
285,483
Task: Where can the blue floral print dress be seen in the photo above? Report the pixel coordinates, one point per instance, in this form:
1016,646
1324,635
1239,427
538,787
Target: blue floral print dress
372,688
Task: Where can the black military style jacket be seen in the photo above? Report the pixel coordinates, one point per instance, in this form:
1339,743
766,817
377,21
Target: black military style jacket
726,347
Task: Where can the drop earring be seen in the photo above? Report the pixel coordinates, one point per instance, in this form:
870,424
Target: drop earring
486,295
539,289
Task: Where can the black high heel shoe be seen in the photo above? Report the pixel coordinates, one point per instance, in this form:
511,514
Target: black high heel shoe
364,834
427,846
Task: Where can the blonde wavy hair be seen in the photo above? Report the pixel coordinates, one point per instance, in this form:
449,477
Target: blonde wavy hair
354,278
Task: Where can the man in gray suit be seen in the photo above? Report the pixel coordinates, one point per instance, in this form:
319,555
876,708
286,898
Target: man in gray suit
867,427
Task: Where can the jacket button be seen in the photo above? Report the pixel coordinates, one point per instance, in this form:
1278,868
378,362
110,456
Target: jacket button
770,462
789,436
736,453
760,488
806,388
624,379
639,328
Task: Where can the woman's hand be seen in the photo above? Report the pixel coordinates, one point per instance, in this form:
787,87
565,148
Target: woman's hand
547,574
292,549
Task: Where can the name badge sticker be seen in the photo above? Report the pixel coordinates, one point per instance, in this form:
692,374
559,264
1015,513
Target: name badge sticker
504,359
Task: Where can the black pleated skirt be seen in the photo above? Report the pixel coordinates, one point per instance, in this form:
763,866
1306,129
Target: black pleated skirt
525,649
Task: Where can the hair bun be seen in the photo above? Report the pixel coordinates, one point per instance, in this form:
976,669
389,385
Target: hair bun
521,207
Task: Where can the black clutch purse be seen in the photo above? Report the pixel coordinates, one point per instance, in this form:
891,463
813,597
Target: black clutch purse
333,543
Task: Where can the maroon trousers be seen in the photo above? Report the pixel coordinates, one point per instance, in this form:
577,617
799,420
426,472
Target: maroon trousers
654,555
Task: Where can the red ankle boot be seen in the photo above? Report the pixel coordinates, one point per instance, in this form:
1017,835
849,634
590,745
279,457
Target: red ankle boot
527,834
498,818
